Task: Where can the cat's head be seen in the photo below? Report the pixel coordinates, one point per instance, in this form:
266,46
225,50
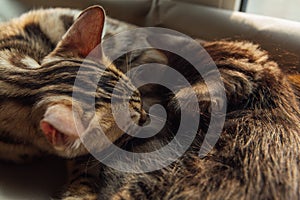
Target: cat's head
66,119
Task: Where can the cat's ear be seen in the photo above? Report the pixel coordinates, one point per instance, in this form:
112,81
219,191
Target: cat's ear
84,35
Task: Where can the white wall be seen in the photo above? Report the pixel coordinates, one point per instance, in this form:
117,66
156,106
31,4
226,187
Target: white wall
226,4
287,9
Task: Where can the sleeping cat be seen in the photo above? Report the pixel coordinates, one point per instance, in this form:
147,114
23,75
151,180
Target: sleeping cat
256,156
41,54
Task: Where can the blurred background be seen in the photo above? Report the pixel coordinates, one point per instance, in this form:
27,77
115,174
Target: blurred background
286,9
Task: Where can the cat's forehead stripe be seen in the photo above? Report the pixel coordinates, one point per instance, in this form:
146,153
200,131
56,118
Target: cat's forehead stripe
34,30
67,21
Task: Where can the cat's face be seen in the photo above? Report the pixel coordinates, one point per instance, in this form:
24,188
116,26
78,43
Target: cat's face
65,119
66,123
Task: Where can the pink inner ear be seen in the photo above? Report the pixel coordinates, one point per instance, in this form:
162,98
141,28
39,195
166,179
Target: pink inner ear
60,122
90,29
85,34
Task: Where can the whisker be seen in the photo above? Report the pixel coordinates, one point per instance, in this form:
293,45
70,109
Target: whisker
157,117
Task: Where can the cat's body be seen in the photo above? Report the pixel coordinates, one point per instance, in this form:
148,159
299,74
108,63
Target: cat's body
256,156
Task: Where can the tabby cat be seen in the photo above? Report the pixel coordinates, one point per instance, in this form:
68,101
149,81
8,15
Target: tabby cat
257,154
41,53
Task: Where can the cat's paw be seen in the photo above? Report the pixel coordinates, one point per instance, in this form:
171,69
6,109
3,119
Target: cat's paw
197,98
59,119
62,126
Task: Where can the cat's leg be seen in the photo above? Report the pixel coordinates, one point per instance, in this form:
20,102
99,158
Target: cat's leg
83,180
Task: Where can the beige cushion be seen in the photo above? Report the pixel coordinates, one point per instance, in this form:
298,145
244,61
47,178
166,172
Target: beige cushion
280,37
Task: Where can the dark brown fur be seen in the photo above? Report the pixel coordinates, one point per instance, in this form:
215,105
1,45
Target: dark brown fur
41,54
256,156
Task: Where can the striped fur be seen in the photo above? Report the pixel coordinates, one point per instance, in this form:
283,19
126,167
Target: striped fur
33,74
38,69
256,156
23,42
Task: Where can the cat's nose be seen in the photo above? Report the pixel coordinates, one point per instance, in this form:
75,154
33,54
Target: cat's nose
143,118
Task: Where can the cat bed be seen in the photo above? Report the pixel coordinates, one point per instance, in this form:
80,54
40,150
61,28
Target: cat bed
280,37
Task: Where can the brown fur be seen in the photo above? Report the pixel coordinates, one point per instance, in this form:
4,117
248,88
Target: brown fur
256,156
41,53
